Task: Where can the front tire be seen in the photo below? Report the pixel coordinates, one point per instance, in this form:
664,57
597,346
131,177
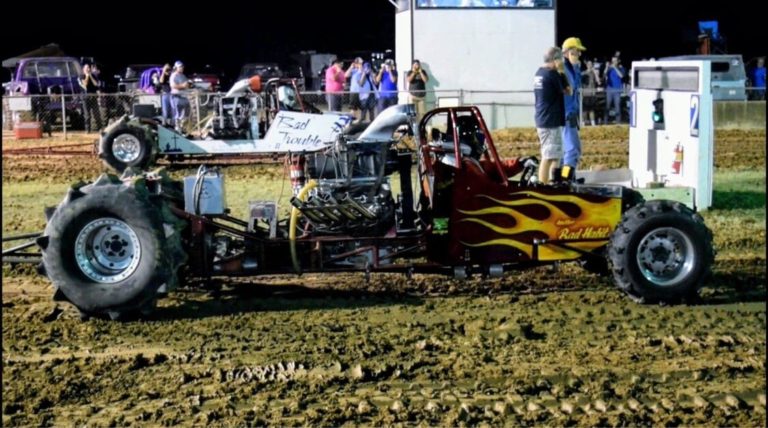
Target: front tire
661,252
125,147
107,250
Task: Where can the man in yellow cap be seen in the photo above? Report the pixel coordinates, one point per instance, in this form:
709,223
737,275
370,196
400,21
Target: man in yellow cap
572,49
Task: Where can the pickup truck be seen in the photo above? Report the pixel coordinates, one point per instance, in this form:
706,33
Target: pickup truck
46,79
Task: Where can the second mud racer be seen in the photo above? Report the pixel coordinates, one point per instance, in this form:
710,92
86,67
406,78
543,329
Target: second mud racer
240,123
112,247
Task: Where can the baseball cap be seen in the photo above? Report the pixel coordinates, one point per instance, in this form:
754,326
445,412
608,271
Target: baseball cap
573,43
178,64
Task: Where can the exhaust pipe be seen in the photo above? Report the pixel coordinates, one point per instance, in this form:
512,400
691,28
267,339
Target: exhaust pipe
329,200
322,208
310,214
365,212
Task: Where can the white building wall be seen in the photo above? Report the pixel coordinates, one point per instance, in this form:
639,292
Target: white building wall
479,50
403,53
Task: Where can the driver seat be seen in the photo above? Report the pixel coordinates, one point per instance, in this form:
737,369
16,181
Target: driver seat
470,134
473,166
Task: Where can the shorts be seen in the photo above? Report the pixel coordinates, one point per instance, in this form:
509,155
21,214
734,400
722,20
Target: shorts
354,101
589,103
551,140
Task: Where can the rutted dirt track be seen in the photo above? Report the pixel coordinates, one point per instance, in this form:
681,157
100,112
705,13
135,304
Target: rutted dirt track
603,145
539,347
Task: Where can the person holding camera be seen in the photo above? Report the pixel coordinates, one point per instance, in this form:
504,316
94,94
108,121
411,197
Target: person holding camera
90,85
354,74
590,81
614,85
162,85
367,93
417,79
386,78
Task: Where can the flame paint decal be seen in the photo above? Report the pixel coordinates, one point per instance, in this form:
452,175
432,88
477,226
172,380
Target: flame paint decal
582,221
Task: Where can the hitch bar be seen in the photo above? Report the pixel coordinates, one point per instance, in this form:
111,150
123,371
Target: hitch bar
17,254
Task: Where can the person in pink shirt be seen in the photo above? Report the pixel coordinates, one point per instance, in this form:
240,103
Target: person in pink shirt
334,85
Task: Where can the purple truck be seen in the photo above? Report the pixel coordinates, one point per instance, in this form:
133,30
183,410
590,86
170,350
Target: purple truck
46,78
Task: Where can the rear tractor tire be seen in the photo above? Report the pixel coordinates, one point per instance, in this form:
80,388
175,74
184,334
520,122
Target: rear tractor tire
661,252
109,248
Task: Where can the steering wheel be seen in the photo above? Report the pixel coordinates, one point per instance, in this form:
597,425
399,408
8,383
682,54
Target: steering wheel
530,169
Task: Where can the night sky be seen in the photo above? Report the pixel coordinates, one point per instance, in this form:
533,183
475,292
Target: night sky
228,34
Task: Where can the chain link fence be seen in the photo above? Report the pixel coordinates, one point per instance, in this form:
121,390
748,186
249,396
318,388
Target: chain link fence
93,112
57,113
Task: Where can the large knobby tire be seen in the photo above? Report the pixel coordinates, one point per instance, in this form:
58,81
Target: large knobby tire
661,252
630,198
126,146
108,251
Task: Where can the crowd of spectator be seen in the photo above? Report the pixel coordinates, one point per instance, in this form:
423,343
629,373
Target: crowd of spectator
371,89
602,85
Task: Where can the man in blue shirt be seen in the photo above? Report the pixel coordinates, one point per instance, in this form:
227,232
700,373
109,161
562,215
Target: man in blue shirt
354,73
758,79
549,85
572,49
614,86
387,81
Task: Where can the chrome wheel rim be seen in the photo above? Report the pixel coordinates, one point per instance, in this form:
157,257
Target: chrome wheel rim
126,148
665,256
107,250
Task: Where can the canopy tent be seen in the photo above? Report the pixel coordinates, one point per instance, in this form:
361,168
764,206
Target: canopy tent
51,49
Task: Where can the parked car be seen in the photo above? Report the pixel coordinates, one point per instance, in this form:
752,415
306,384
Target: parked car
209,79
265,70
272,70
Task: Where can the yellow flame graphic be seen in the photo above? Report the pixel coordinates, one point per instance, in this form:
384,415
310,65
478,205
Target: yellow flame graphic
596,220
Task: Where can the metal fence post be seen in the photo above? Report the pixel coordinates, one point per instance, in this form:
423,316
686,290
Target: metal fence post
64,114
197,111
461,97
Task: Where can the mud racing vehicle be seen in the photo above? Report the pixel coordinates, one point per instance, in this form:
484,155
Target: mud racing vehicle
239,124
114,246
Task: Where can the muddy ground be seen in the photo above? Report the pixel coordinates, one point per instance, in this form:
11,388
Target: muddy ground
539,347
603,146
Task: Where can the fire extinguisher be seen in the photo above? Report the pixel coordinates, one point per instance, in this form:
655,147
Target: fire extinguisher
297,172
677,164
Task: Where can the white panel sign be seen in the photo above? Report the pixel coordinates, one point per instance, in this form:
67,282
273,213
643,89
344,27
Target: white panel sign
296,132
150,99
289,132
20,103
